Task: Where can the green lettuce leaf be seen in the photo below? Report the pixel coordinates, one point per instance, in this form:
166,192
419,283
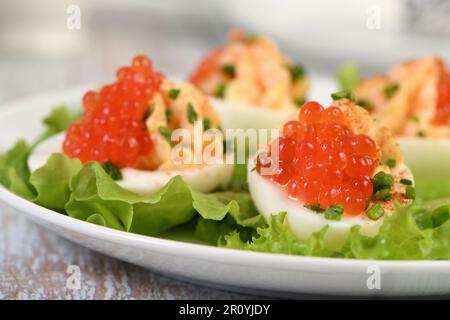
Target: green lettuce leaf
238,181
224,212
58,120
94,193
277,238
14,172
51,181
414,232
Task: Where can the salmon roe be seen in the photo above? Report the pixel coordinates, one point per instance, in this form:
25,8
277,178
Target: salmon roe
113,124
322,161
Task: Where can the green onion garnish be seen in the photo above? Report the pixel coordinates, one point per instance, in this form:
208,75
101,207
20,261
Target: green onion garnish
365,104
300,102
168,115
391,163
206,124
376,212
390,90
149,111
406,182
173,93
343,95
334,212
192,115
229,70
220,92
382,195
410,192
166,133
112,170
314,207
297,72
382,180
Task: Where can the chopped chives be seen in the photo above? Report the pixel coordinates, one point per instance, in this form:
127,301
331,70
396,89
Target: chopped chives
410,192
382,180
168,115
343,95
390,90
334,212
391,163
192,115
300,102
173,93
406,182
375,212
149,111
382,195
206,124
365,104
314,207
220,92
112,170
229,70
297,72
166,133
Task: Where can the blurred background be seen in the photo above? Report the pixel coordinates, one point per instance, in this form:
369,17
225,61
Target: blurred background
39,52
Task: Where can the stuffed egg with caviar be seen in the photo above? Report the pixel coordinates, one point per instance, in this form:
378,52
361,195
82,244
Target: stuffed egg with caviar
252,84
128,125
413,101
335,167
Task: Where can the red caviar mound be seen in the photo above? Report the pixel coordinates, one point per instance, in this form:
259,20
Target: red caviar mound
322,161
113,124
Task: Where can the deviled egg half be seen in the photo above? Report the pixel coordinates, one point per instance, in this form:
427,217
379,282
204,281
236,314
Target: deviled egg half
252,84
129,127
335,167
413,101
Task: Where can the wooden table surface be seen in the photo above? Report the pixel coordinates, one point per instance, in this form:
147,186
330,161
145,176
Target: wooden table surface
34,263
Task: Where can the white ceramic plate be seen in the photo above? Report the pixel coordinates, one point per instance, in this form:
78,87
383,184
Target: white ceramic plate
254,272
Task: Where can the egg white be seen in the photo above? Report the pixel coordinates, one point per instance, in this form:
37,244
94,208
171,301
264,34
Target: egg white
240,116
204,178
270,200
428,158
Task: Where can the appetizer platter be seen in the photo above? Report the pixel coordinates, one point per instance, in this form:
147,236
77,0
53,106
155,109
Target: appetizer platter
141,169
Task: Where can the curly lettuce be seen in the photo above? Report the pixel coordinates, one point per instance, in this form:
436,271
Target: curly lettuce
413,232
